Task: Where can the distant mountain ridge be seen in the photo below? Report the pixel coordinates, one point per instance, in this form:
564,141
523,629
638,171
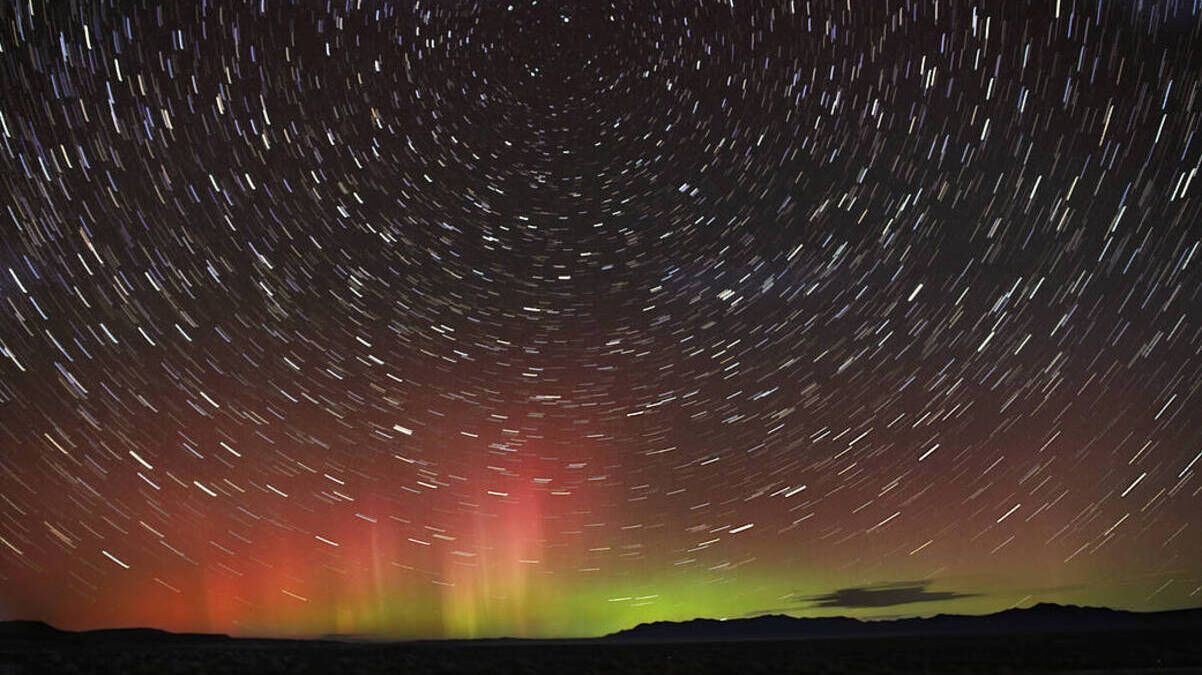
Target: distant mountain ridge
1045,618
1041,618
38,631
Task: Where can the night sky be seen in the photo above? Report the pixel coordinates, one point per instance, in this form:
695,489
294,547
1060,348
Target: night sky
458,319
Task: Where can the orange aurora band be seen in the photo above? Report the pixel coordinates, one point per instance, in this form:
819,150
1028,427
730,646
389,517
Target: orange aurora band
461,555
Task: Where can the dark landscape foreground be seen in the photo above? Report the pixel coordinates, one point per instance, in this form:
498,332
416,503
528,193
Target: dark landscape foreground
1039,640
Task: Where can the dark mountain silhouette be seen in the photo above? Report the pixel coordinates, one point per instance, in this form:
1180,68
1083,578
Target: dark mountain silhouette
30,630
37,631
1044,638
1041,618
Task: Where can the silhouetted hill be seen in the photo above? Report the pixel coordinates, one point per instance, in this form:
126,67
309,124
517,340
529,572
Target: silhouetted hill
1044,639
37,631
29,630
1041,618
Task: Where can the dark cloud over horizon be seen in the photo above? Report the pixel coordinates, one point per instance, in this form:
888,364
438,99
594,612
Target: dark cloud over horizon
882,595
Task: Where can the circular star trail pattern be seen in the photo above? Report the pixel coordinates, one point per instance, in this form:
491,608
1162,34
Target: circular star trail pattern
458,319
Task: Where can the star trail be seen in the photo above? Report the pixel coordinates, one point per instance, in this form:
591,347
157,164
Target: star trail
457,319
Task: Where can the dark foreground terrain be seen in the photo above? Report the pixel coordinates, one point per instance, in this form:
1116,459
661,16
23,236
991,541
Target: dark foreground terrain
1152,644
